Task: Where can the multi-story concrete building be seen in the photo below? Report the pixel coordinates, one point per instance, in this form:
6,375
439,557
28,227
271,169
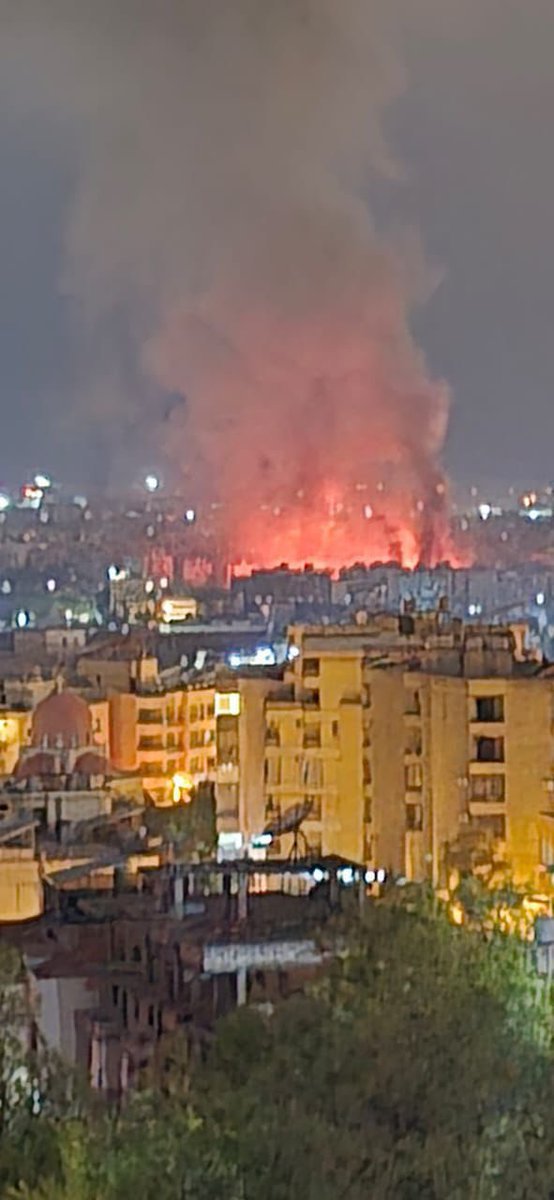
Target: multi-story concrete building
147,736
413,743
225,741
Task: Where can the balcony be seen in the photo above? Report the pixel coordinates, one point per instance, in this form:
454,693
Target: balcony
150,743
147,716
486,808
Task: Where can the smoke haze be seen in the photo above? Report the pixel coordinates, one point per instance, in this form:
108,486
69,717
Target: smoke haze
223,155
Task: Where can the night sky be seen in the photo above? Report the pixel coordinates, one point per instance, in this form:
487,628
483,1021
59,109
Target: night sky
473,133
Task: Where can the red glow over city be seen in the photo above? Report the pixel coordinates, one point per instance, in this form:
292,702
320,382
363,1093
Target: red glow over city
340,531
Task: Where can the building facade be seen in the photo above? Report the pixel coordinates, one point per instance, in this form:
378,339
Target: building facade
415,747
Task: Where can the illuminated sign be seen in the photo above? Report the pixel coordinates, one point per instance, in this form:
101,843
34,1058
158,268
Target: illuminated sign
221,959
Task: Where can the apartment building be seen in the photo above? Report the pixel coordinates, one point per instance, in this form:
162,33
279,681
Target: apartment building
225,742
414,747
200,731
147,736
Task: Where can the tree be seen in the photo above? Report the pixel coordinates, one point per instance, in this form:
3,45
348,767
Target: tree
191,824
34,1087
419,1067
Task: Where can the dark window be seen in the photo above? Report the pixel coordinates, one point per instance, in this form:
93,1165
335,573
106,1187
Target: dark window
310,668
489,708
413,704
489,749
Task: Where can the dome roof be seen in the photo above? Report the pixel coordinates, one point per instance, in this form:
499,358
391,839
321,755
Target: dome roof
40,763
91,763
61,720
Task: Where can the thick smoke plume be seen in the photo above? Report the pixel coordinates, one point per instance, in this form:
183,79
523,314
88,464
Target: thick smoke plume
225,153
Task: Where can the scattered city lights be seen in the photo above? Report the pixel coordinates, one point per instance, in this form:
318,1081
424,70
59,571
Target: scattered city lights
50,585
43,482
190,515
152,483
22,619
5,502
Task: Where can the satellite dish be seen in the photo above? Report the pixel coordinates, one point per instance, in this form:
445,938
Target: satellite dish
289,821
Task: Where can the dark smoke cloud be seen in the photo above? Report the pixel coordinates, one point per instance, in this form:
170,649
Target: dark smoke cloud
224,153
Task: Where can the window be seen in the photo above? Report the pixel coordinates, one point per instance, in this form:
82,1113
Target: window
273,771
335,729
489,708
414,818
151,770
227,704
493,827
413,741
314,845
272,736
310,668
367,774
312,735
315,810
271,808
193,716
414,777
413,704
488,787
489,749
312,773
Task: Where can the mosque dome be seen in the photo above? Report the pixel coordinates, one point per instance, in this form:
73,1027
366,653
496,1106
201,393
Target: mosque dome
91,763
62,721
35,765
